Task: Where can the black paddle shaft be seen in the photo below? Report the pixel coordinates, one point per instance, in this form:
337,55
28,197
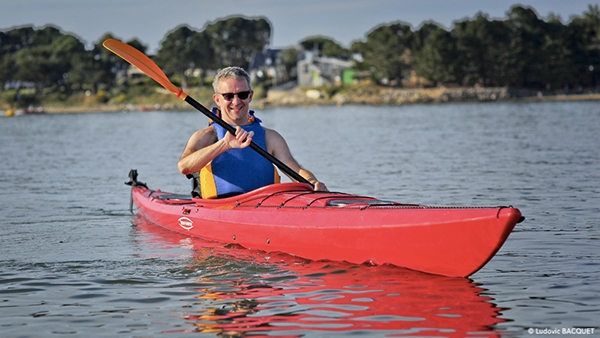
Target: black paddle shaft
253,145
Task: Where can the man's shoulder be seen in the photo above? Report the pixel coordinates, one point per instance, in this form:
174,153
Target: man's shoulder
207,133
271,132
207,130
273,139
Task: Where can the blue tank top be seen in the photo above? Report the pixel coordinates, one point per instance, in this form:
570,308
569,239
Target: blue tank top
238,171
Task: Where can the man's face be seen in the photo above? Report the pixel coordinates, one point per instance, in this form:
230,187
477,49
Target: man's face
235,110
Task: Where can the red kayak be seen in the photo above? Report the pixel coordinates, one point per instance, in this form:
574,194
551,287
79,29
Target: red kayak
291,218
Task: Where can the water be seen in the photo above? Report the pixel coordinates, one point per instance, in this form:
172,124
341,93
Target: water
75,262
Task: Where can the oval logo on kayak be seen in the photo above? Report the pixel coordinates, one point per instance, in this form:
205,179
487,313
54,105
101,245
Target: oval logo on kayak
186,223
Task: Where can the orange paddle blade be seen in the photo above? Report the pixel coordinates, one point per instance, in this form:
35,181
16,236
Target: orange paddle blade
143,63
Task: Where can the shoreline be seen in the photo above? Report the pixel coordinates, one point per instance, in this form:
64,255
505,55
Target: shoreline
396,96
356,96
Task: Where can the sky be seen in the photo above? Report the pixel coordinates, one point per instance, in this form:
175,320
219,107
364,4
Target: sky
291,21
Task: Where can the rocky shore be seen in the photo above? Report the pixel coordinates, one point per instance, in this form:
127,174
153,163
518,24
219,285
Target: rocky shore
395,96
342,96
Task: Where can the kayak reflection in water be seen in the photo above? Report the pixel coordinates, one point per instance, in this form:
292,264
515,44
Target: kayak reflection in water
251,293
223,163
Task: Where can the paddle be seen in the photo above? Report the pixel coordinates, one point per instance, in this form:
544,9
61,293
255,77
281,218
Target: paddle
150,68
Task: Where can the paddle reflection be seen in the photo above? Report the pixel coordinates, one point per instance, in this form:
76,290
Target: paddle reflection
291,297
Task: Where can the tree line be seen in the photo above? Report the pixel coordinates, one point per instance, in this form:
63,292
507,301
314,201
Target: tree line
522,50
54,62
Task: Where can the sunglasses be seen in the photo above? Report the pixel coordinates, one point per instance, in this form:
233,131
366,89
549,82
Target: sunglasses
240,95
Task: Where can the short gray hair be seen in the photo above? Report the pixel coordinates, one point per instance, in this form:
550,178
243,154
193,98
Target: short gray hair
236,73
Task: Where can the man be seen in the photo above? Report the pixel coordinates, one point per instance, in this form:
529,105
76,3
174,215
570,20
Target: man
226,164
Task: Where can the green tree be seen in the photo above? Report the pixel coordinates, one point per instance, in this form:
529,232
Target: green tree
234,40
527,40
325,47
94,68
559,57
68,54
436,57
387,53
11,42
583,41
289,57
47,60
179,52
7,67
205,55
137,44
103,65
482,47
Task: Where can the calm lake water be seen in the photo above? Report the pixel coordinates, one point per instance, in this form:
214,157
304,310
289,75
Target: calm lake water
75,262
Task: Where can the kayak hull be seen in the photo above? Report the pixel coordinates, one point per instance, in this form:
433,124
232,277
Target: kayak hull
291,218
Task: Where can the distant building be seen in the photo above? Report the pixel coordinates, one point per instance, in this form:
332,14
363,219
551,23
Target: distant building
311,70
318,71
268,65
129,74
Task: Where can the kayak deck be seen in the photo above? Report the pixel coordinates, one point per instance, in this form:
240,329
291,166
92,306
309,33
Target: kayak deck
291,218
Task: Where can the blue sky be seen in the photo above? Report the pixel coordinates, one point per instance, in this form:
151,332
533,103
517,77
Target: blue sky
341,20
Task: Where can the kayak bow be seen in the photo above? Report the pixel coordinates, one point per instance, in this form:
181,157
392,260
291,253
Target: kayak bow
294,219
